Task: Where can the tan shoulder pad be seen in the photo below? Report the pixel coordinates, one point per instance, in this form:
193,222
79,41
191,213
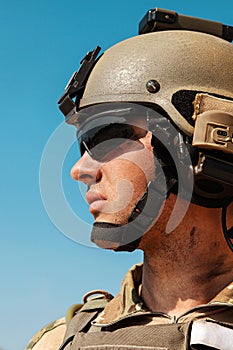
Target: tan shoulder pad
50,337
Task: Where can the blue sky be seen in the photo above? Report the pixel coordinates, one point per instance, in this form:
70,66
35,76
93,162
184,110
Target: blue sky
43,271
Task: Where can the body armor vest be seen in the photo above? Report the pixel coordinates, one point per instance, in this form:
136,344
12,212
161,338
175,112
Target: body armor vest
135,332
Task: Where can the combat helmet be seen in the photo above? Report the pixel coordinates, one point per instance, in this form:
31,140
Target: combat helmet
187,75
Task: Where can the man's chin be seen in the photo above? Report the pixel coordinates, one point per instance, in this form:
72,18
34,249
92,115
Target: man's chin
105,234
115,236
116,219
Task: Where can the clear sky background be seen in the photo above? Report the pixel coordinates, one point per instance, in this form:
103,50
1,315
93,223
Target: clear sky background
43,271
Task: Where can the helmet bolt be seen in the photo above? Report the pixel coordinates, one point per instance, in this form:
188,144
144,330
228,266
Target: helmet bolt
152,86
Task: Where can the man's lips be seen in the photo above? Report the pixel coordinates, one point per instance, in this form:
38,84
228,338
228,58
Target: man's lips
96,201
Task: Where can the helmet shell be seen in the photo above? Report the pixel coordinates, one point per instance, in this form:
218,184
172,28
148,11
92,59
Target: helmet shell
177,60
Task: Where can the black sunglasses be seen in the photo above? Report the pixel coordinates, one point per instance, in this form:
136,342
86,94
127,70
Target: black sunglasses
105,140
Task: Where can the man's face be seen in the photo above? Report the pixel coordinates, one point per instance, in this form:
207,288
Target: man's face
117,180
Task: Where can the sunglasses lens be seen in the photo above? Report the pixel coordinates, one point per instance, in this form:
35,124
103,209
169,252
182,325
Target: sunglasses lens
101,140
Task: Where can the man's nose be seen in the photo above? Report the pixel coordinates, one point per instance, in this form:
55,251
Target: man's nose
87,170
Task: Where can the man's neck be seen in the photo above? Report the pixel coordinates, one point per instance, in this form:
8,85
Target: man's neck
186,268
175,293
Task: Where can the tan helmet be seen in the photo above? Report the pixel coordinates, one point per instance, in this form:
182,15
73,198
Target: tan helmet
162,68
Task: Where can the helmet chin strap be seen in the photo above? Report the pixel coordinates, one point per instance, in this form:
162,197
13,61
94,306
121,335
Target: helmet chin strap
228,233
128,236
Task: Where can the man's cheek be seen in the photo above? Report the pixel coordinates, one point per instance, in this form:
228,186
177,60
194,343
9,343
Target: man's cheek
121,196
142,164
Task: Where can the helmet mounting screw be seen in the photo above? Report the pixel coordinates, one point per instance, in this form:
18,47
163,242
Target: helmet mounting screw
152,86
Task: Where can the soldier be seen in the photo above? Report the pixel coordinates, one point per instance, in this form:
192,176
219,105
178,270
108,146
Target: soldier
154,118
